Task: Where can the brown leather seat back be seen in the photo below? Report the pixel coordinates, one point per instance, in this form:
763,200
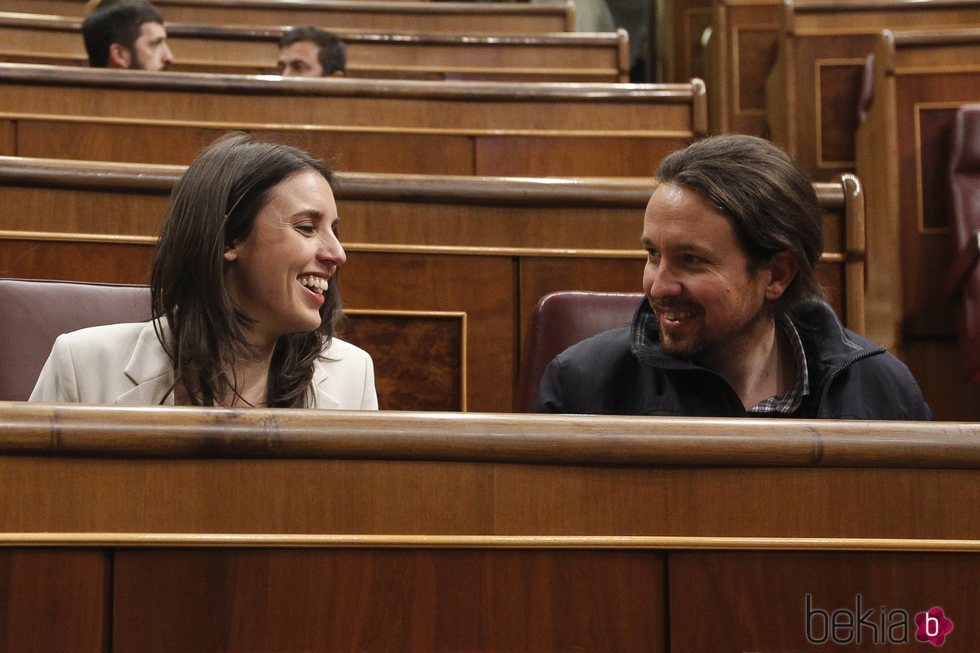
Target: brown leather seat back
964,176
34,313
559,321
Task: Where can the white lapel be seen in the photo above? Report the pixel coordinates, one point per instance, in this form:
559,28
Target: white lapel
321,383
150,370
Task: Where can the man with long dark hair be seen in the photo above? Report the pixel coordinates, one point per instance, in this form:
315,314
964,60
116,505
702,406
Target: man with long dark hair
734,322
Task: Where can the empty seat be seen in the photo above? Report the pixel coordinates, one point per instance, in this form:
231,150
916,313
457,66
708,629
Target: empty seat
559,321
35,313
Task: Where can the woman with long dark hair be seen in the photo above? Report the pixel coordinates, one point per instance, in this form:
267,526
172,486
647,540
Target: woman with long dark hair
244,298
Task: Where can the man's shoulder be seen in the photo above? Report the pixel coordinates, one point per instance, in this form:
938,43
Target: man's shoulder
876,385
602,346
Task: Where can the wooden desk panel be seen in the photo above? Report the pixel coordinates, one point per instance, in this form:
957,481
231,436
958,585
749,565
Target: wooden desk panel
812,94
920,78
65,91
55,600
230,530
383,599
757,601
740,54
357,14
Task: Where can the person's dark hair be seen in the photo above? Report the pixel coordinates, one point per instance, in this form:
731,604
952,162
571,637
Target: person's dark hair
115,21
332,53
770,200
213,206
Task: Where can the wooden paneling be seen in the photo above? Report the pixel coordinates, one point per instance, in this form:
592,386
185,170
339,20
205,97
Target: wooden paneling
252,50
86,469
479,286
54,600
485,106
757,601
8,140
220,530
605,155
419,358
938,367
812,95
360,14
109,262
383,600
363,149
740,54
679,27
920,79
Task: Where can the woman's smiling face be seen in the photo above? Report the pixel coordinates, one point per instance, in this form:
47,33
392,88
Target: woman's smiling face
277,275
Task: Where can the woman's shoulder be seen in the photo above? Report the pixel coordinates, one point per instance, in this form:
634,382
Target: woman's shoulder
113,338
342,350
108,334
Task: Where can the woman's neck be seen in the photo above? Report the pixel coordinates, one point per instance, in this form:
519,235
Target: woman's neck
251,379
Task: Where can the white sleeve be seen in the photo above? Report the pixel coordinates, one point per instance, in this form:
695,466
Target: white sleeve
57,382
369,400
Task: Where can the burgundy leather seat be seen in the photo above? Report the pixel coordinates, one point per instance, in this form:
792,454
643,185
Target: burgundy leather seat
964,276
559,321
34,313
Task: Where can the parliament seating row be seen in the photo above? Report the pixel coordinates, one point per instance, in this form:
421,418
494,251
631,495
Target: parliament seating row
570,57
364,15
66,91
355,149
461,261
903,151
175,529
373,125
814,85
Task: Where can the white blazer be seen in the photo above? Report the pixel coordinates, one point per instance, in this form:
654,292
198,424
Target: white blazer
125,364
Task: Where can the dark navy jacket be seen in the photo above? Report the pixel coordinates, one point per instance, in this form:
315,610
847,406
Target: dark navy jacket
625,372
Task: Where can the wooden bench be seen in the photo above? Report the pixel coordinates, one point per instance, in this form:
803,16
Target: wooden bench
34,38
813,91
193,529
391,126
920,79
678,27
482,249
65,91
738,58
360,149
364,15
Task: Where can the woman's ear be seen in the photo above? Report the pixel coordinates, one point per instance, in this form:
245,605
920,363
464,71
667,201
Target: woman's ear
782,270
119,56
231,254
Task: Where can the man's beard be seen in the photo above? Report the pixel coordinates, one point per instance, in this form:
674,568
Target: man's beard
707,344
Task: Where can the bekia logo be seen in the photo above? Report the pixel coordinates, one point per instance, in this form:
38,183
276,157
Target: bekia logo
932,626
881,626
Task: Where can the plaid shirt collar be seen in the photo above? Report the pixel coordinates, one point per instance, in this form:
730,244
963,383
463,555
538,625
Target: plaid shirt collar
789,401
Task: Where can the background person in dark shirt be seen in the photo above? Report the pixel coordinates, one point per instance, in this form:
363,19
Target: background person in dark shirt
307,51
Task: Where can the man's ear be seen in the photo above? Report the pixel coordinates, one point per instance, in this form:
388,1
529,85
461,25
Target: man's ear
782,270
119,56
337,73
